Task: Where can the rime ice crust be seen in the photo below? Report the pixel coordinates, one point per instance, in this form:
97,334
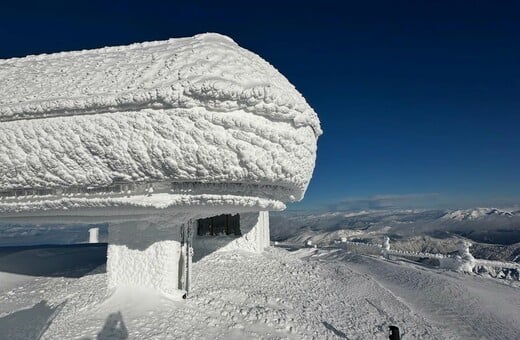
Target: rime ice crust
197,110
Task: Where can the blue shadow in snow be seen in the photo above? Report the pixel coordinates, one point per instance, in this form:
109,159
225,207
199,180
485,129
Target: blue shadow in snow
28,323
73,260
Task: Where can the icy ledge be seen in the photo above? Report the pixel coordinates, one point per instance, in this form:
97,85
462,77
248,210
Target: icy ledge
129,207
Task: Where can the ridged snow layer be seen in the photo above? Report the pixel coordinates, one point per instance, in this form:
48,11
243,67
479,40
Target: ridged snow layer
199,112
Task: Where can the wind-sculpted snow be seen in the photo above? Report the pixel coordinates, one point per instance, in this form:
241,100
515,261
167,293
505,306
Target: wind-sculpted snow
303,294
199,111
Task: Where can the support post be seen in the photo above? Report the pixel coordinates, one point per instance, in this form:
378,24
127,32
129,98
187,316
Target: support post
93,235
187,231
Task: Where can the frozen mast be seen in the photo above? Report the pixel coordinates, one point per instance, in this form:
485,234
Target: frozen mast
149,136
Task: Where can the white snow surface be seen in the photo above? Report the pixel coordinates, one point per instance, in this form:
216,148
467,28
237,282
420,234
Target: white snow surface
305,294
197,111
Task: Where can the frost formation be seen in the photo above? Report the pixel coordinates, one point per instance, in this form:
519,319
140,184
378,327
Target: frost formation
195,120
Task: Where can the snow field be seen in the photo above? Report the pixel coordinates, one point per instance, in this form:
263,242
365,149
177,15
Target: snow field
461,306
306,294
236,295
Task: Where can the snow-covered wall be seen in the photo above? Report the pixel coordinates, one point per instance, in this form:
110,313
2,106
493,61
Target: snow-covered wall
144,255
156,267
182,117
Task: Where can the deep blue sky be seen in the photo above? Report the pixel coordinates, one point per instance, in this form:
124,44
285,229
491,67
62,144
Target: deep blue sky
419,100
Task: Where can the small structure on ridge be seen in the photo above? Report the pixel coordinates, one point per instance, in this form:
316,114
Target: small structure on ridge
149,138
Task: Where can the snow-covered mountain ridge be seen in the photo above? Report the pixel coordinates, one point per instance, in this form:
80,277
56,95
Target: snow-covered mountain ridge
479,213
495,233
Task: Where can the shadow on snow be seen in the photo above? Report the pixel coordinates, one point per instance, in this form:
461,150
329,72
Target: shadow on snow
28,323
74,260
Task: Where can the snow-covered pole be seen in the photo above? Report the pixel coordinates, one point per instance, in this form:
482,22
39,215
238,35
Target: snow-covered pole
182,272
189,255
386,246
93,235
468,261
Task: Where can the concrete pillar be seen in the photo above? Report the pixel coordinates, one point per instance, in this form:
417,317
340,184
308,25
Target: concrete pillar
263,226
93,235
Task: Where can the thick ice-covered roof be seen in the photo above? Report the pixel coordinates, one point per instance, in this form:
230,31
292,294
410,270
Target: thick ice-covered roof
190,116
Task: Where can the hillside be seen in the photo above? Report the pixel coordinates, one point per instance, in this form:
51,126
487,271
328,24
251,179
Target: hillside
495,233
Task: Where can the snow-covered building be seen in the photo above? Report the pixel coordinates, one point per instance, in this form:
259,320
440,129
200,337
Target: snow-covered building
149,138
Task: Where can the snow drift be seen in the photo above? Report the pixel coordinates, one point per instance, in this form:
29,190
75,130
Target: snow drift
191,121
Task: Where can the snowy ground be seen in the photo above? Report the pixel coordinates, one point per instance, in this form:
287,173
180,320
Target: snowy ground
301,294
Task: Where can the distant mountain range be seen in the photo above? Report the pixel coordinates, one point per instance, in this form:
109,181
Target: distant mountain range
495,233
486,225
479,213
